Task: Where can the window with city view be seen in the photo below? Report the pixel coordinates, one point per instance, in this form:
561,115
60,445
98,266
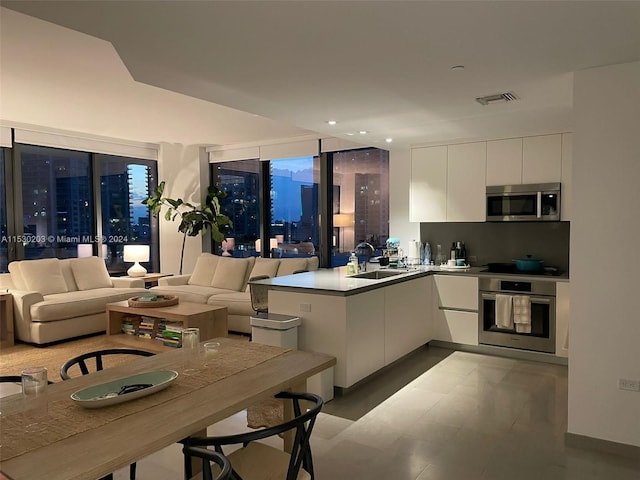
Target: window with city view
124,184
360,203
73,203
240,179
294,200
57,204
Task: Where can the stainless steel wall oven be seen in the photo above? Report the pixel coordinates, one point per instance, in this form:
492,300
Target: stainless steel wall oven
543,314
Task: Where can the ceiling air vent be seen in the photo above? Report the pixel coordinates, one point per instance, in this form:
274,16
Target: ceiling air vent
497,98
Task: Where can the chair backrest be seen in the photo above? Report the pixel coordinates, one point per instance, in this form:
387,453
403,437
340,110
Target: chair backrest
98,355
302,422
207,457
259,295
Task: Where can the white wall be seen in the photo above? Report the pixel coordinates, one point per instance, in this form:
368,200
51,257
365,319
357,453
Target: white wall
399,179
604,340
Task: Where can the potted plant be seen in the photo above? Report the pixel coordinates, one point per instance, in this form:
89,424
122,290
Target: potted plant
194,219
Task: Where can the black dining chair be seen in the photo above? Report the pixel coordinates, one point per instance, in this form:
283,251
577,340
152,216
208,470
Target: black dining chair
208,456
98,356
254,459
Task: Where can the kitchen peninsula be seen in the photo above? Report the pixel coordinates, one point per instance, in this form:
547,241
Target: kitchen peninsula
366,323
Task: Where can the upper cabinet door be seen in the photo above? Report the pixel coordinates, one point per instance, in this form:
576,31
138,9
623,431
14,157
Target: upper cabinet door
504,162
542,159
466,192
428,188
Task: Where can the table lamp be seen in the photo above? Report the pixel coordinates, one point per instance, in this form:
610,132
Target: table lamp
136,254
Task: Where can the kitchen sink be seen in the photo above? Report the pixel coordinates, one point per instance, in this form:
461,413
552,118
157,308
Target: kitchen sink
377,274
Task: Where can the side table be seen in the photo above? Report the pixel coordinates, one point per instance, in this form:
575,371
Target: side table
151,279
6,319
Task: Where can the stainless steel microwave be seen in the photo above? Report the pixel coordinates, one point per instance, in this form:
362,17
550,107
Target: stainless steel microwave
524,203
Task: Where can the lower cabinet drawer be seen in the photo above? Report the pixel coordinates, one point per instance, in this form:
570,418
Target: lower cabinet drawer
456,326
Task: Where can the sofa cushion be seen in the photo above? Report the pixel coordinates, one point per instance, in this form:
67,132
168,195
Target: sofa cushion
44,276
237,303
204,270
67,273
16,276
60,306
290,265
230,273
265,266
90,273
312,263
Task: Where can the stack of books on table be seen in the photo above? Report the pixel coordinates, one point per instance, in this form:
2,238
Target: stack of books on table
170,333
145,330
130,324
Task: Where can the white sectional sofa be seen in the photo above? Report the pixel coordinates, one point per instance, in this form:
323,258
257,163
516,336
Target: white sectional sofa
218,280
60,299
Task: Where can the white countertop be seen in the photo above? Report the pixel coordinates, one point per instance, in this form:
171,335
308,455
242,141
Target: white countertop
335,281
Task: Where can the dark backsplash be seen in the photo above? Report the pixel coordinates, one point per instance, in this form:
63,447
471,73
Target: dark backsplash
503,242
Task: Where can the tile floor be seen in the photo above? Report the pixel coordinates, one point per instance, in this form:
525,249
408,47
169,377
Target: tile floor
442,414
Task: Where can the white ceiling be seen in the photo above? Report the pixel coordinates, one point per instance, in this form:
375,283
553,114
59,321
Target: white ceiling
379,66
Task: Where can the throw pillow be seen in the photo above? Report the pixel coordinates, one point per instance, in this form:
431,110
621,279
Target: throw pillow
90,273
230,273
203,272
44,276
291,265
264,266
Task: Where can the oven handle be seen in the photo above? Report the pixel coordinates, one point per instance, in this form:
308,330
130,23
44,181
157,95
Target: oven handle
539,204
492,296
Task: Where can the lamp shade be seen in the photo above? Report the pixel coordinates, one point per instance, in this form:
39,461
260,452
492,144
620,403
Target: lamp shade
343,220
136,253
85,250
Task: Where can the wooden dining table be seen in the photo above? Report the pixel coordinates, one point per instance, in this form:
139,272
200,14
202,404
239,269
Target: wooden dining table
83,443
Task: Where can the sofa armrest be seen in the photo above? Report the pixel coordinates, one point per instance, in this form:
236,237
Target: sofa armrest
127,282
22,302
173,280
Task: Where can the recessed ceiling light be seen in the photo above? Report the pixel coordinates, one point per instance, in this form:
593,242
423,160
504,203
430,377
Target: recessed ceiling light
363,132
350,134
331,122
457,67
388,140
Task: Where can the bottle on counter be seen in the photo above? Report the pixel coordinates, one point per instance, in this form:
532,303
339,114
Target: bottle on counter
426,258
440,256
352,264
453,251
463,251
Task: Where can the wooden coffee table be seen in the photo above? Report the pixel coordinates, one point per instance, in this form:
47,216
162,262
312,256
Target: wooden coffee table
210,319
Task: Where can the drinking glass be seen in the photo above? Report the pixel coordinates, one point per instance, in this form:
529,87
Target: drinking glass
211,350
34,388
190,349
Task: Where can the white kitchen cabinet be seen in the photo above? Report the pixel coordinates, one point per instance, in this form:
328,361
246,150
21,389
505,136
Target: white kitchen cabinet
457,292
428,186
407,326
562,319
455,309
457,327
567,166
542,159
504,162
466,192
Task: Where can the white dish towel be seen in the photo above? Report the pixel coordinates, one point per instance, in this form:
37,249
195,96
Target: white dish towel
522,313
504,316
